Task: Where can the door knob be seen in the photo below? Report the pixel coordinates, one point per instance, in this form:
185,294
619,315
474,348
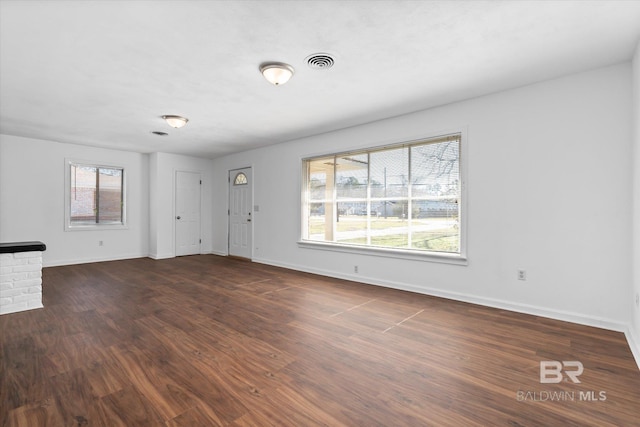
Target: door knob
178,217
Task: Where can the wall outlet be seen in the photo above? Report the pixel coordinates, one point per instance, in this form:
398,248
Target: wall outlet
522,275
355,268
100,243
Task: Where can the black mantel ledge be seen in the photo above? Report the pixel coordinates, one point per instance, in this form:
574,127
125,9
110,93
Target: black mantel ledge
8,248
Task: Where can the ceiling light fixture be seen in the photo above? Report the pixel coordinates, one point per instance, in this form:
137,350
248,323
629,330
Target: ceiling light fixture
175,121
276,73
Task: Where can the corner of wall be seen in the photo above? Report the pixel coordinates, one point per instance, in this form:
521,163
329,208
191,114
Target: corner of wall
633,336
153,201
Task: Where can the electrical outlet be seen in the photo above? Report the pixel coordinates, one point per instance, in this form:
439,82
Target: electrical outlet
100,243
355,268
522,275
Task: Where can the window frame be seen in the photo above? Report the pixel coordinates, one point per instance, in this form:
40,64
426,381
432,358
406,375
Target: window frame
401,253
68,226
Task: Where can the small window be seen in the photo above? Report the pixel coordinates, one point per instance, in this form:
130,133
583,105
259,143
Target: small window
95,195
241,179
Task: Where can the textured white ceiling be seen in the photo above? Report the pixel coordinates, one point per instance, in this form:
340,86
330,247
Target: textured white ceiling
102,73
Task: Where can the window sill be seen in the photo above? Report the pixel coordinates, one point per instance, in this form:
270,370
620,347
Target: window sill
95,227
440,257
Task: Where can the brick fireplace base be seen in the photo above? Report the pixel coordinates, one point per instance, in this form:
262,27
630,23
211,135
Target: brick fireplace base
20,276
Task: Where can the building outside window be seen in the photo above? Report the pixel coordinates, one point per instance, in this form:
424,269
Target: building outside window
96,196
406,197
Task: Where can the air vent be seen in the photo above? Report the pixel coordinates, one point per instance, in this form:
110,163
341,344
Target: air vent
320,61
155,132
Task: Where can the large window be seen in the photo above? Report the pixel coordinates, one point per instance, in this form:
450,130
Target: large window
95,195
404,198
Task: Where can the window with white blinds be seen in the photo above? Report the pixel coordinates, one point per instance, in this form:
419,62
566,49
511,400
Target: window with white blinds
406,197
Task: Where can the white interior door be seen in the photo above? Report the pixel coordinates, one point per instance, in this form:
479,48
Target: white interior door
187,213
240,207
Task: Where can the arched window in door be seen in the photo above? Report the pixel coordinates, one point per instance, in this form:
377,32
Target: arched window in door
241,179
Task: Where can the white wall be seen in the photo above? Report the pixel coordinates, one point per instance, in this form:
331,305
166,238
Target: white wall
635,329
162,172
549,183
32,201
32,195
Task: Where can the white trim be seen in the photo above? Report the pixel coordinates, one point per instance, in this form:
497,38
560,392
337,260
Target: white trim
252,204
67,197
562,315
3,310
175,200
473,299
174,177
95,227
174,180
165,256
58,263
354,145
219,253
416,255
459,258
633,344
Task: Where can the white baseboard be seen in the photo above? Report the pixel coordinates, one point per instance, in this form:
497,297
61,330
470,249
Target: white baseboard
473,299
19,310
58,263
634,344
457,296
219,253
165,256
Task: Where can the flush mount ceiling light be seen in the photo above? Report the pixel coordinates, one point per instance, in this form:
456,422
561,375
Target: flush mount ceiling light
175,121
276,73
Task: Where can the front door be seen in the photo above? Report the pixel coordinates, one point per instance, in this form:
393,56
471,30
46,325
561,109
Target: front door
187,213
240,207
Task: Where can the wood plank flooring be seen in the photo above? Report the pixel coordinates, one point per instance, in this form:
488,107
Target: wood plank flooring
207,341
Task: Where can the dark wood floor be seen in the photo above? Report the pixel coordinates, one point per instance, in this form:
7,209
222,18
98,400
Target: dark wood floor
206,340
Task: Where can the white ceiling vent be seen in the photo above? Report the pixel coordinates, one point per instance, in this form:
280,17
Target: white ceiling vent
320,61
